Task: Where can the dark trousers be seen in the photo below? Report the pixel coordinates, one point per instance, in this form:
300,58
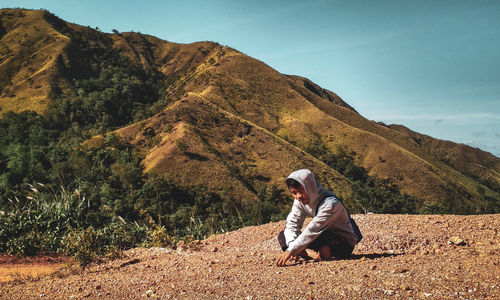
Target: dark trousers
339,247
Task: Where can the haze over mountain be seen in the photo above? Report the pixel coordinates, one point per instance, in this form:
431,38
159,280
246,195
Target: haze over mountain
233,123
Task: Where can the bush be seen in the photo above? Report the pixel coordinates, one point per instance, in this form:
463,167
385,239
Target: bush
39,224
83,245
429,208
89,244
158,235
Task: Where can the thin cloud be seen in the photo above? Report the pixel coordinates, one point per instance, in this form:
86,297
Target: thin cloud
438,118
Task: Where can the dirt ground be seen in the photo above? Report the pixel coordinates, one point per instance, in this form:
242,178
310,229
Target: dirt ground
15,269
400,257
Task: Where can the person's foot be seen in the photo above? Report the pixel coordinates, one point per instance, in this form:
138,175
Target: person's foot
303,254
313,254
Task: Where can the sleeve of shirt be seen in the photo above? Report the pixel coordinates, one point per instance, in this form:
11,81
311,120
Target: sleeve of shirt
294,222
325,217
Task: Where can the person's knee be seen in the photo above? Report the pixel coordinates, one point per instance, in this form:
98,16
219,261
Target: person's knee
325,253
342,251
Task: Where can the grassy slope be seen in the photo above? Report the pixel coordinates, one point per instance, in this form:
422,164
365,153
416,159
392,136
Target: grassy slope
29,49
263,96
429,150
220,149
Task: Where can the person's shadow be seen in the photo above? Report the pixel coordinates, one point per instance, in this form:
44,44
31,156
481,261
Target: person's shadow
373,255
351,257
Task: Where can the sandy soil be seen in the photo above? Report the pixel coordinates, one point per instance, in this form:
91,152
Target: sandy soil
15,269
400,257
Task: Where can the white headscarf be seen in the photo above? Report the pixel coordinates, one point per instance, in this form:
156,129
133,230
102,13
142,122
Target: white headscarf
314,190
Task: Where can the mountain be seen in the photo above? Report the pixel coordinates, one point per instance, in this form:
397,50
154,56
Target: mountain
235,125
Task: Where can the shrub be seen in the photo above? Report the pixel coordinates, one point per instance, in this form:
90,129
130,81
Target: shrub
181,145
84,245
158,235
429,208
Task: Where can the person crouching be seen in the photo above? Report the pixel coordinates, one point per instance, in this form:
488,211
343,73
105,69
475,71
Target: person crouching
328,234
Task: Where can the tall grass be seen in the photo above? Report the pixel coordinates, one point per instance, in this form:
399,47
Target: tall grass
54,220
37,222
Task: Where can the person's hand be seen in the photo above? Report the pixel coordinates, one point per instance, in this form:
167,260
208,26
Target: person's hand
283,258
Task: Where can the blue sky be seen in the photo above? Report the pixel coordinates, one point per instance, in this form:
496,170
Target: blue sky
431,65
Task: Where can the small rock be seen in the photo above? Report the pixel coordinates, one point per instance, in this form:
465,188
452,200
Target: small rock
399,271
98,287
310,296
389,292
373,267
215,249
455,240
42,295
